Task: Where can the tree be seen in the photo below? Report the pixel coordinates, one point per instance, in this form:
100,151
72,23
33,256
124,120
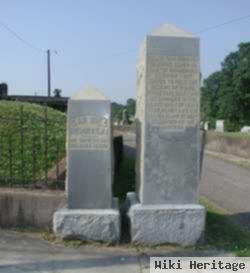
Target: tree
117,111
209,97
130,105
226,94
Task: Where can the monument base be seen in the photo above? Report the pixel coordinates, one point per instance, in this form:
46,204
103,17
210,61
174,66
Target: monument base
101,225
162,224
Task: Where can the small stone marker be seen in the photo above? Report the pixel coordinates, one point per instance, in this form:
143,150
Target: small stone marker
219,126
168,140
206,126
90,214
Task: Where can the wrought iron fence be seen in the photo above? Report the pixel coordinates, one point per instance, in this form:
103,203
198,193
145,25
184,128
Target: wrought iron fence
32,150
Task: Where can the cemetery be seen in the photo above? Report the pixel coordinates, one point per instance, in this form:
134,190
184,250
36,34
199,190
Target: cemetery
89,182
165,187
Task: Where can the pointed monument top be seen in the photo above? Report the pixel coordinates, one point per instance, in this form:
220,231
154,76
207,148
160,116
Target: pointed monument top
89,93
171,31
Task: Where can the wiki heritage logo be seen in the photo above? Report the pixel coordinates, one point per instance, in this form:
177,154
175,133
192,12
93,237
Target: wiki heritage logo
198,264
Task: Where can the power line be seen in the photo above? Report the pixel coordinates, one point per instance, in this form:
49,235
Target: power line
20,38
121,54
223,24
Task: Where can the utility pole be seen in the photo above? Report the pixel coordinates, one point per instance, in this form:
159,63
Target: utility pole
49,73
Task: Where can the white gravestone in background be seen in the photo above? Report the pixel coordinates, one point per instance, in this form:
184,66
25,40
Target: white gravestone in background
219,127
206,126
245,129
168,140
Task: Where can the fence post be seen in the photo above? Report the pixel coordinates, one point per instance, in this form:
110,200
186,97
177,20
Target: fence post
57,160
10,161
33,159
22,144
46,144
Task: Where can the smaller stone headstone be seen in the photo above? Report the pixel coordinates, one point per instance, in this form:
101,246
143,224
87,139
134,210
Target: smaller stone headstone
89,146
92,213
219,126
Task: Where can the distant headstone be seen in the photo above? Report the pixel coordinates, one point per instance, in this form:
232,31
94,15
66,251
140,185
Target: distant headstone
168,140
219,126
206,126
245,129
89,170
125,117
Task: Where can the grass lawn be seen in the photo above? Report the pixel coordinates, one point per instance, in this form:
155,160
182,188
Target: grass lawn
237,135
30,143
222,233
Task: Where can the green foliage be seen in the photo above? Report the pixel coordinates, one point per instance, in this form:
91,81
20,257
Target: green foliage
23,156
226,93
117,109
130,105
210,96
224,233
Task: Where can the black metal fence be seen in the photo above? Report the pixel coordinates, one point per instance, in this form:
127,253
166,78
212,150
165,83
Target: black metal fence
32,149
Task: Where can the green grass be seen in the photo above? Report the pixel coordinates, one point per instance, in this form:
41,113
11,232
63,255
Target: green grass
223,233
24,166
237,135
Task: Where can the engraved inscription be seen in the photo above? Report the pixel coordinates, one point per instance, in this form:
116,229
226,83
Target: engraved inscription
173,92
89,133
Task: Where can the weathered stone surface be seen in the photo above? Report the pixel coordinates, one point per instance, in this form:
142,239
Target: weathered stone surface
90,214
161,224
89,170
168,142
88,225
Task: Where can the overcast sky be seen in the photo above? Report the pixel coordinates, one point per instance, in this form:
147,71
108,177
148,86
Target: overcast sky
98,40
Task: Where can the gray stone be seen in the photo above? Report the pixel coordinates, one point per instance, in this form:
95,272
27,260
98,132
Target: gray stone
91,214
89,171
168,98
168,140
219,126
161,224
89,225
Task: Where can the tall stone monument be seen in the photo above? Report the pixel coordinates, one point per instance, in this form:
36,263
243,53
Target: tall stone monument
166,208
92,213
